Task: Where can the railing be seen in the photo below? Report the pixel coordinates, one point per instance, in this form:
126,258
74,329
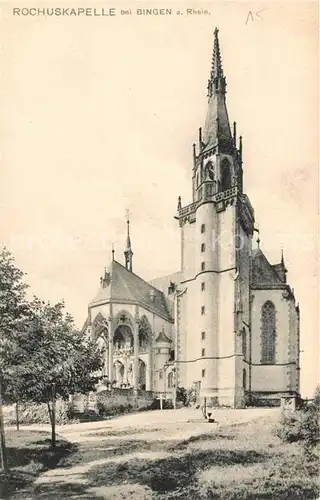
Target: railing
126,351
224,195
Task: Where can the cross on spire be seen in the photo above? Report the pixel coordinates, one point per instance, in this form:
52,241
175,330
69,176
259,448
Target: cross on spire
128,213
128,253
112,250
217,81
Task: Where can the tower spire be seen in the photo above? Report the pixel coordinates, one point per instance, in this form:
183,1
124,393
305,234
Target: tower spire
217,129
217,81
128,253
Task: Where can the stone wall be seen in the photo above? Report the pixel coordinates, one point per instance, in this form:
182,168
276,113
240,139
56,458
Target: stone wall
112,400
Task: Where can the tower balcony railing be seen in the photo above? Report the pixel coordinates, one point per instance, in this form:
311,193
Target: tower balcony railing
223,195
123,351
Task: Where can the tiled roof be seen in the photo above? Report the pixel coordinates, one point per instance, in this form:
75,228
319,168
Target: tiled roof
263,273
122,285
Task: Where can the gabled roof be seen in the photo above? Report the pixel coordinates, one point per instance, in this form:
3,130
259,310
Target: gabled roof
163,282
120,284
264,275
163,338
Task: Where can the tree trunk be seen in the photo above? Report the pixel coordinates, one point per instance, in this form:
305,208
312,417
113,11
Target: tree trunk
52,417
17,416
53,422
3,450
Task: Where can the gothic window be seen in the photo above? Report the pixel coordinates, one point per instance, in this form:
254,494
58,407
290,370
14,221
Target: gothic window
225,175
203,247
203,352
203,335
144,333
123,338
203,286
170,380
203,373
244,344
203,310
244,379
203,228
209,170
268,333
203,266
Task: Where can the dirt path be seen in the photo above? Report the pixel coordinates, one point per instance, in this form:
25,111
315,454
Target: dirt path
134,437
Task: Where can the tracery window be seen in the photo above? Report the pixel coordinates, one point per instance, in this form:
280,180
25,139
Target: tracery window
209,171
268,333
225,175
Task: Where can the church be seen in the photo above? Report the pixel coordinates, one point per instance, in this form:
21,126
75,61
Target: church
226,323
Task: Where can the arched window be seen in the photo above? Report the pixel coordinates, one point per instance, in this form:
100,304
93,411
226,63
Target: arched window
244,379
225,175
268,333
170,380
144,333
244,343
209,171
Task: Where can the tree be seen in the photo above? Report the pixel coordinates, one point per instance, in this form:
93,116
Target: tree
42,353
54,359
316,398
13,311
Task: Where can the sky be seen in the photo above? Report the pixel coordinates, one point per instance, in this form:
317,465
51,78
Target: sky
99,115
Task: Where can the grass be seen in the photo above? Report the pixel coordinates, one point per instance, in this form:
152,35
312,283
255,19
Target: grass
29,454
240,462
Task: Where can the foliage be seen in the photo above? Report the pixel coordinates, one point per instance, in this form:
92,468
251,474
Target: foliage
113,408
35,413
316,398
50,350
14,309
191,395
182,395
186,396
43,355
302,425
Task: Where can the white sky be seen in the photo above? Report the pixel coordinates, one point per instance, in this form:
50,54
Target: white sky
99,114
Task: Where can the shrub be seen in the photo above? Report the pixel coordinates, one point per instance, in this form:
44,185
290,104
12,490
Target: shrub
316,399
302,425
167,404
186,396
182,395
33,413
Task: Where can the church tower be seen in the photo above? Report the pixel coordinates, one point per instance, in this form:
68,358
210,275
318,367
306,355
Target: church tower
216,234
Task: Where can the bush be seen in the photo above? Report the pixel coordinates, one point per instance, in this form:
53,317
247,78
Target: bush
186,396
33,413
112,408
182,395
302,425
167,404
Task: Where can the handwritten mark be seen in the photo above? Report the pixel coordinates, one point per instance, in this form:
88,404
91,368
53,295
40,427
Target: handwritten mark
251,16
